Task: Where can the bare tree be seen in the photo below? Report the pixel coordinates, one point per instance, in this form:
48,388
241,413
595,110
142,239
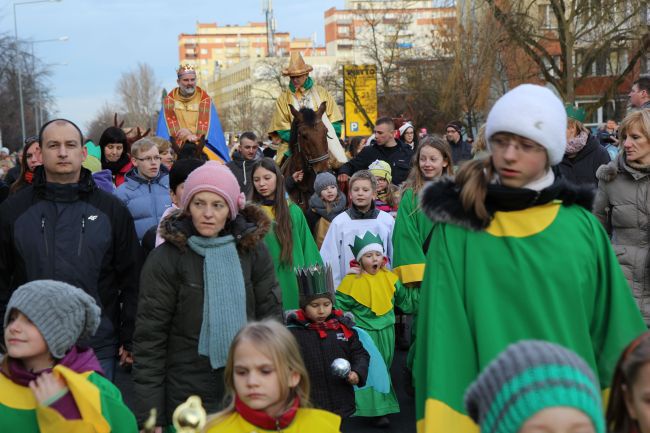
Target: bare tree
570,41
470,45
138,91
37,98
102,120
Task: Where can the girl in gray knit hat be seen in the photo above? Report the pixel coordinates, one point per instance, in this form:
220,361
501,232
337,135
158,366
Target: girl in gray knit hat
47,382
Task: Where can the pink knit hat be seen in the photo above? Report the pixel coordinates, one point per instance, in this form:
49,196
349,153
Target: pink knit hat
217,178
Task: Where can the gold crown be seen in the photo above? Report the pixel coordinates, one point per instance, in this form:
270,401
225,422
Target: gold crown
184,69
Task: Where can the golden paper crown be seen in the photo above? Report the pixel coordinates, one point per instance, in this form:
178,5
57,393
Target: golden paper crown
185,69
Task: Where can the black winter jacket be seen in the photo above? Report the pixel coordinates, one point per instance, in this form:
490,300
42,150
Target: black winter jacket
581,169
243,171
328,391
460,152
399,158
78,234
167,367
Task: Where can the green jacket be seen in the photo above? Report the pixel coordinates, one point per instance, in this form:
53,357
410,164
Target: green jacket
168,368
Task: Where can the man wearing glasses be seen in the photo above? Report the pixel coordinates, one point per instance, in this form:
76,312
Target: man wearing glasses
145,192
460,149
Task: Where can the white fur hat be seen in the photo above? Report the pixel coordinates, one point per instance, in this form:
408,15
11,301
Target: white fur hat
533,112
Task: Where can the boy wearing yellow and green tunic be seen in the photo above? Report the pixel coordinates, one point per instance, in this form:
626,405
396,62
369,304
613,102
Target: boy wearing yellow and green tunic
371,296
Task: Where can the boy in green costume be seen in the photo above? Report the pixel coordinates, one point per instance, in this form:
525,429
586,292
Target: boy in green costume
371,293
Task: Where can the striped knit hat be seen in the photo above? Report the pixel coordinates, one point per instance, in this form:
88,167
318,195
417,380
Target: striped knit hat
528,377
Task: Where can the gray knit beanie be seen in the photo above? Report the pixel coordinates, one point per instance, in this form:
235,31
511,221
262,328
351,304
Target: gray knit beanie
323,180
61,312
528,377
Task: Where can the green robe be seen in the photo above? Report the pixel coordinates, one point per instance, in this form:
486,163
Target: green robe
382,331
547,272
305,253
412,227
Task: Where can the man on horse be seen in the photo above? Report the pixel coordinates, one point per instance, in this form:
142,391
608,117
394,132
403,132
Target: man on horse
188,114
304,93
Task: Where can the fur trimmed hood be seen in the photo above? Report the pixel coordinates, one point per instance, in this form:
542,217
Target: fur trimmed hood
608,172
440,201
248,229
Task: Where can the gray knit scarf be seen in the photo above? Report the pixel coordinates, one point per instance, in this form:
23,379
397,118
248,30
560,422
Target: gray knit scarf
224,303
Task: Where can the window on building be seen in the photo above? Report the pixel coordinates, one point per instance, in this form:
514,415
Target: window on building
204,51
547,19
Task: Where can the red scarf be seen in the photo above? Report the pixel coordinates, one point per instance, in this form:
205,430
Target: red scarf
261,419
330,324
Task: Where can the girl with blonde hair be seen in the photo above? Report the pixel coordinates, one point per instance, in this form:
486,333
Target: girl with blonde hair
267,385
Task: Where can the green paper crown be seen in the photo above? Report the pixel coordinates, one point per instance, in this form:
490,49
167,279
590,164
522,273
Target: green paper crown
314,280
576,113
361,243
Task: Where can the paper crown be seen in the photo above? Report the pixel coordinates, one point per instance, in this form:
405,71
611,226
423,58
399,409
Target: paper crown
314,280
185,69
369,242
576,113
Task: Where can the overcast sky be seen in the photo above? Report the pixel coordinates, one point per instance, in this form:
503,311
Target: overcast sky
108,37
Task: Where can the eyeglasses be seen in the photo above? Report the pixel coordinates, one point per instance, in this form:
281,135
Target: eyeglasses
149,159
502,144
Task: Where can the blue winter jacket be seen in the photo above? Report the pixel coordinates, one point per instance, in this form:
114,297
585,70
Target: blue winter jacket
146,199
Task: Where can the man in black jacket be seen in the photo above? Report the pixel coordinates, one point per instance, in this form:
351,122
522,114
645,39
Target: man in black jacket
242,162
63,227
384,148
460,149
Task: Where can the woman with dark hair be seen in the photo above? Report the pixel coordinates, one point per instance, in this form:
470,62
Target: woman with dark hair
30,160
115,153
515,254
408,136
627,410
290,242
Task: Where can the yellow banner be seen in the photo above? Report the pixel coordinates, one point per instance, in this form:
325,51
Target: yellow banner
360,88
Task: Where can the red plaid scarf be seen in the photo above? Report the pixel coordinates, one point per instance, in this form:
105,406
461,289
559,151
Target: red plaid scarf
332,324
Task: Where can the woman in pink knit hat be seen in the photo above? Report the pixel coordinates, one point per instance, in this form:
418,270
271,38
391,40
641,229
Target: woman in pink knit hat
197,290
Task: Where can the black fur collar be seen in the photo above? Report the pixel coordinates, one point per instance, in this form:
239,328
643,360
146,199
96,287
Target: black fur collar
440,200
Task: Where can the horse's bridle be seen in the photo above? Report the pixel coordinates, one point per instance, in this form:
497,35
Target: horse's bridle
316,160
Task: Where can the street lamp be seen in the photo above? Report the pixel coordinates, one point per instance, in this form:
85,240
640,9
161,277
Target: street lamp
19,72
38,109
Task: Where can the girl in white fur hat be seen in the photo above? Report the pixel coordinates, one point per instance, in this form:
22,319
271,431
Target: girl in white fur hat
515,254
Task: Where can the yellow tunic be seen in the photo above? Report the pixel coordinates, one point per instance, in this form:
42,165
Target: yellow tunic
306,421
187,110
311,98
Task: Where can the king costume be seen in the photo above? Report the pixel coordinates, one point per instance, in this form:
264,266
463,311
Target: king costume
196,113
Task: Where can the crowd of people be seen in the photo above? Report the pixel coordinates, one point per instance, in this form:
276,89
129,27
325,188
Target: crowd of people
522,259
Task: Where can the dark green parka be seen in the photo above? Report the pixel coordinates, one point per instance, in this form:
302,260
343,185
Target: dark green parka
167,365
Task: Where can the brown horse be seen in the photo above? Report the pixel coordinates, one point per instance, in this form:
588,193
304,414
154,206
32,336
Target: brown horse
309,152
